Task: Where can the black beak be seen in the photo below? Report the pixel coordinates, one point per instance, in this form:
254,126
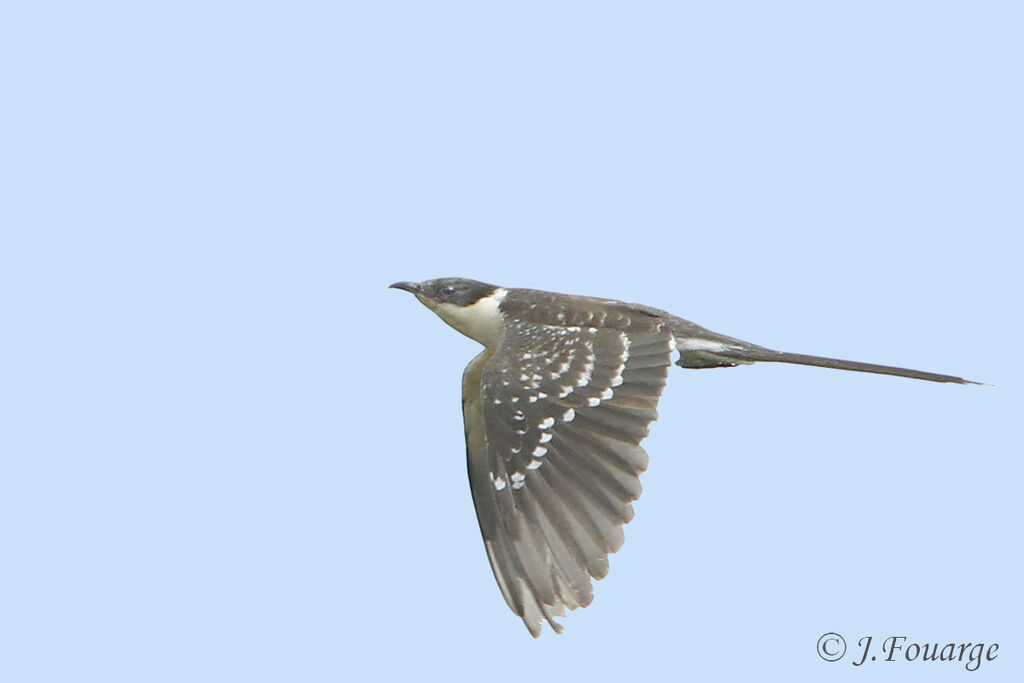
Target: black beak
413,287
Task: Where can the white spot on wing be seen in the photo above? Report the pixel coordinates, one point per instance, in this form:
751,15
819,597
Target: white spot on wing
623,357
539,451
545,437
533,464
569,415
586,372
546,423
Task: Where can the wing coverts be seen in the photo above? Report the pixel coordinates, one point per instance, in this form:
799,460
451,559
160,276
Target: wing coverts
554,419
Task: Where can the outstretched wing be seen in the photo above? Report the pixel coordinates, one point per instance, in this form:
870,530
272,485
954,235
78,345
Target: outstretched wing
554,420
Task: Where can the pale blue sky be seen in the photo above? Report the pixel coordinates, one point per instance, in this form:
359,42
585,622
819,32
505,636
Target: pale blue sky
230,453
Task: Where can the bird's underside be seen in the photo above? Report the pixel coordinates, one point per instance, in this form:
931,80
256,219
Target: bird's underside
555,409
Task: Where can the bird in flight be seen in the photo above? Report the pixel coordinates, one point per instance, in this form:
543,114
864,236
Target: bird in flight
555,408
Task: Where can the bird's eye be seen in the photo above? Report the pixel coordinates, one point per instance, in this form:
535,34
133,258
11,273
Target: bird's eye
447,290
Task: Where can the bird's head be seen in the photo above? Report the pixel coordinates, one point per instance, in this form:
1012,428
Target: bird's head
456,291
469,306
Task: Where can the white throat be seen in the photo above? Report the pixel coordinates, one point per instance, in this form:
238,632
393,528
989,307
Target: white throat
480,321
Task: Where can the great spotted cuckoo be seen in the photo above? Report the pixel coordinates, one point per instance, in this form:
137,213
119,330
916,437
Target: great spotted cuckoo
555,408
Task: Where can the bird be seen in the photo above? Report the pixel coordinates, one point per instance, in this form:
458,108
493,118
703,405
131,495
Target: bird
555,408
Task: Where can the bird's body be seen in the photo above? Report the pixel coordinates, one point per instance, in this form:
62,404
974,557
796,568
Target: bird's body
555,408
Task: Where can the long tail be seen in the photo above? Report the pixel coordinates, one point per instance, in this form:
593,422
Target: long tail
701,348
769,356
